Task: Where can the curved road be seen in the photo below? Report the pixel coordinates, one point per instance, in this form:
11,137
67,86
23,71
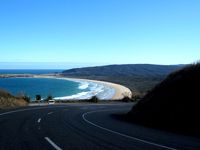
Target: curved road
82,126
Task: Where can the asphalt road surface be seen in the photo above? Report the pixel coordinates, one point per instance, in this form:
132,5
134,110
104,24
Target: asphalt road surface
82,127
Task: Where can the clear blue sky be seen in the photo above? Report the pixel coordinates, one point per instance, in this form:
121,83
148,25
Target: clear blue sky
100,31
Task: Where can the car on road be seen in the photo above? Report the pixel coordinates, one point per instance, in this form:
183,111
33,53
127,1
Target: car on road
51,101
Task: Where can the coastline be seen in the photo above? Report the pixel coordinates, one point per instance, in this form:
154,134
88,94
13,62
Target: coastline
120,90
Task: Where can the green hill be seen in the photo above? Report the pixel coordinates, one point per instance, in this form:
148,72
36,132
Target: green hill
145,70
138,77
174,104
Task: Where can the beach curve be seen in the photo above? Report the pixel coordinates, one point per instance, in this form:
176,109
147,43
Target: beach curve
120,90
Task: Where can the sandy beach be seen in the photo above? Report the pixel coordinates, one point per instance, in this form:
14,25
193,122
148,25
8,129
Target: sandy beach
120,91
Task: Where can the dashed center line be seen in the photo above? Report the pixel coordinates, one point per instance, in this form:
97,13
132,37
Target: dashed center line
52,143
39,120
50,113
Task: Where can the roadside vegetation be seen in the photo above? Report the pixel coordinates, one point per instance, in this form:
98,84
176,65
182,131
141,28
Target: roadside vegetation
93,99
8,101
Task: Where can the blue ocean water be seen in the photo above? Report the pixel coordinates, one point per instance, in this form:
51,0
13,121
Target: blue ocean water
42,86
58,88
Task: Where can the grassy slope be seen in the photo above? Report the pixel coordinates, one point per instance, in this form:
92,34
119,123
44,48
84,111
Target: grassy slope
174,104
145,70
7,100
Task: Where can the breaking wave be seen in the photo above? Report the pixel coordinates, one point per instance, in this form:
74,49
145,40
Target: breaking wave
89,89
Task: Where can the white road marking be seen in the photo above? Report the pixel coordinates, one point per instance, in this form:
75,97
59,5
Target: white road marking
50,113
27,109
52,143
39,120
19,110
121,134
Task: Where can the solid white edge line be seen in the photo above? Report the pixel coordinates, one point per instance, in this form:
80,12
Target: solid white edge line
52,143
19,110
39,120
27,109
121,134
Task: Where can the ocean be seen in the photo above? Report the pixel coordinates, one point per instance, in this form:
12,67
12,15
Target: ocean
59,89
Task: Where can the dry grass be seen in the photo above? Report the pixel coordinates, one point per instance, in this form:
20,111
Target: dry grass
9,101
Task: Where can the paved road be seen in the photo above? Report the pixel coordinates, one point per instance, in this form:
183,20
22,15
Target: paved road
82,126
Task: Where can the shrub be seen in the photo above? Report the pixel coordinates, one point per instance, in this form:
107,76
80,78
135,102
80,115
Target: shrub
49,97
136,97
38,97
22,95
94,99
26,98
127,99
